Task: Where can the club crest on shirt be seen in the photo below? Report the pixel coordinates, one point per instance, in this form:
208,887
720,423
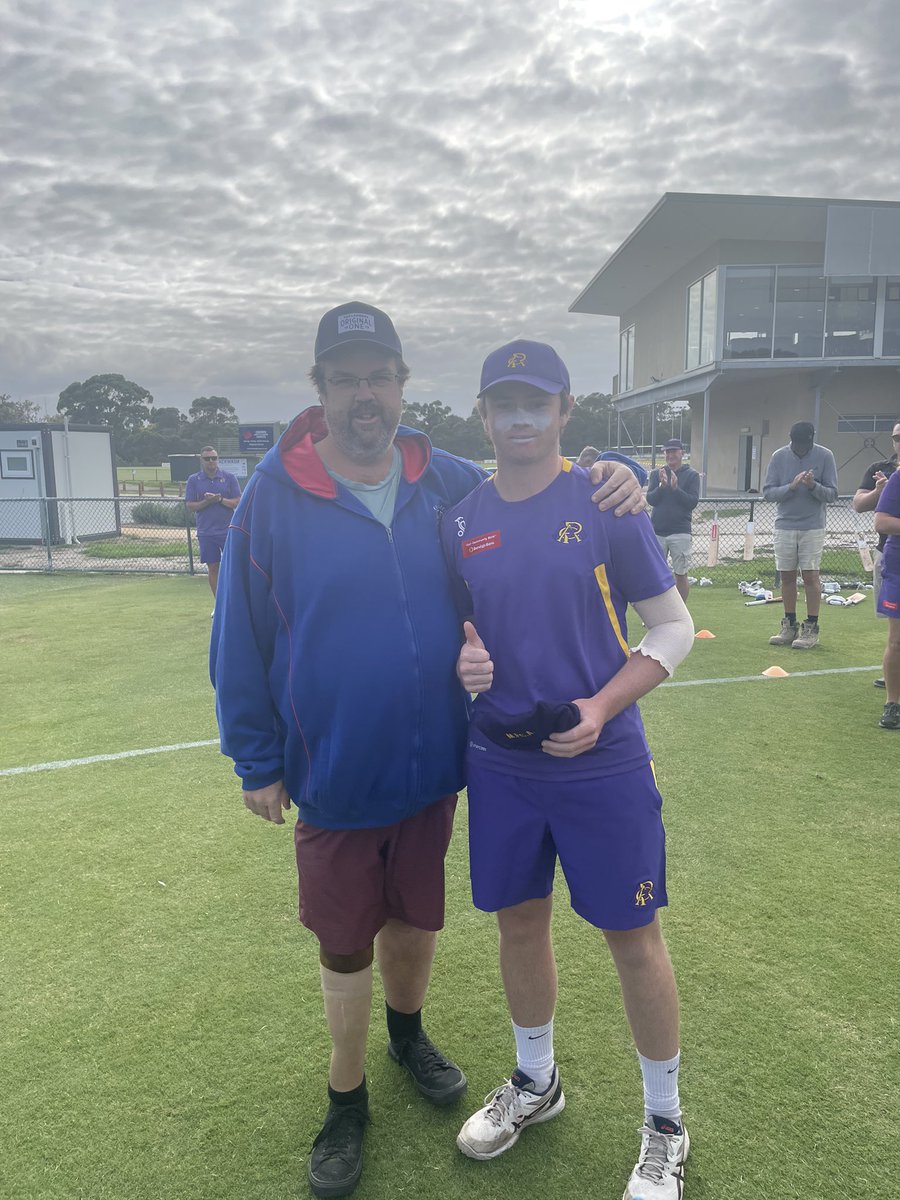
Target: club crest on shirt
644,893
460,526
570,532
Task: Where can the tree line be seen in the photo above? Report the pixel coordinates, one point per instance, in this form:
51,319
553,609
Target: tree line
593,422
146,434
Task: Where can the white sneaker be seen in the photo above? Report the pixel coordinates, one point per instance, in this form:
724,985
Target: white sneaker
506,1112
659,1174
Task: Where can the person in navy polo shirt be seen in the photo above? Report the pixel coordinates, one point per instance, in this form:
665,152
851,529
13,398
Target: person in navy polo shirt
558,766
333,652
213,495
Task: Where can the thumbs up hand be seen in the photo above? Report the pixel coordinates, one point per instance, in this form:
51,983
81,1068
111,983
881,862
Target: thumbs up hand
474,666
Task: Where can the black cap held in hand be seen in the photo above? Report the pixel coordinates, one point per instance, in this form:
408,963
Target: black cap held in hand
528,730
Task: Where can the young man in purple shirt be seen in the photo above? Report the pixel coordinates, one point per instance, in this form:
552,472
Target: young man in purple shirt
557,764
213,495
887,523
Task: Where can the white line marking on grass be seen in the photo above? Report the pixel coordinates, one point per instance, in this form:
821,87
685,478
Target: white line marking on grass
95,758
750,678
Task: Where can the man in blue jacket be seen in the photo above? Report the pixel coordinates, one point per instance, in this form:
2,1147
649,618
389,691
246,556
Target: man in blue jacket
333,657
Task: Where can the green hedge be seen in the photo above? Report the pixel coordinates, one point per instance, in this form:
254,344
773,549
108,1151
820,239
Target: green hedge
149,512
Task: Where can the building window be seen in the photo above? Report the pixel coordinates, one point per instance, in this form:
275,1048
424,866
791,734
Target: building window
749,311
626,359
799,312
874,424
891,344
850,317
701,322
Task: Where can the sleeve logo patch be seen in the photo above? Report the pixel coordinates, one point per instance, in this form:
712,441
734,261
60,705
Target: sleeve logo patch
477,545
356,323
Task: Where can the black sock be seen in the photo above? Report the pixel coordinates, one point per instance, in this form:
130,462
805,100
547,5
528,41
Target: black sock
358,1095
792,617
812,618
402,1026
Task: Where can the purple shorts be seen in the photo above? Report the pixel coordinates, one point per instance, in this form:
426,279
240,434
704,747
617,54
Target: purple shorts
211,546
607,833
354,880
889,597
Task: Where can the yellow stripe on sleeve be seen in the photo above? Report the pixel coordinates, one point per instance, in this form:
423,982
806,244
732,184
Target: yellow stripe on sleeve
603,584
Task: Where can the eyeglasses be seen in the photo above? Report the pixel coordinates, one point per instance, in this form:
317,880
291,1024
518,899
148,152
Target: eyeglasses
381,381
210,457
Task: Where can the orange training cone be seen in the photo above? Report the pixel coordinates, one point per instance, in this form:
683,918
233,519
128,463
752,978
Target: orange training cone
704,633
776,673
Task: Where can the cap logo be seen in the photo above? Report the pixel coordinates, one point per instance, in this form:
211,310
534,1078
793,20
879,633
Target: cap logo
356,323
516,360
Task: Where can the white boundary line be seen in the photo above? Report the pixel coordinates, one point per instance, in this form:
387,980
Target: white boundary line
764,678
95,758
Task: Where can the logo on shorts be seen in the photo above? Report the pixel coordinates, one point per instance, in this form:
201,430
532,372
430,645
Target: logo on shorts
891,604
644,893
570,532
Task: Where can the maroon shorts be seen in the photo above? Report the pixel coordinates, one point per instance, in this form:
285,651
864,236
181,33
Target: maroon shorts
354,880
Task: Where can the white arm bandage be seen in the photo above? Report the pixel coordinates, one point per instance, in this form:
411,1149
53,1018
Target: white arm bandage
670,630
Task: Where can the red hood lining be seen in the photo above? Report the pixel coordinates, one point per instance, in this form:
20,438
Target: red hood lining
299,458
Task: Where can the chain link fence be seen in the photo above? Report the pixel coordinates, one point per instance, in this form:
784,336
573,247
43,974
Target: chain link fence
121,533
130,533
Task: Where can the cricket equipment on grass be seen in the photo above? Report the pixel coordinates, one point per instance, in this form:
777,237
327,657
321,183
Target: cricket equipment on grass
712,556
769,599
748,541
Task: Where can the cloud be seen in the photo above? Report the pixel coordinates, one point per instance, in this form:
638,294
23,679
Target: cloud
183,191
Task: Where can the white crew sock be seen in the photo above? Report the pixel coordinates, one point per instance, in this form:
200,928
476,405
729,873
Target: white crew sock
661,1087
534,1053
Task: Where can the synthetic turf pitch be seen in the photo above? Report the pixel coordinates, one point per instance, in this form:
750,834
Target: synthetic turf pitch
160,1024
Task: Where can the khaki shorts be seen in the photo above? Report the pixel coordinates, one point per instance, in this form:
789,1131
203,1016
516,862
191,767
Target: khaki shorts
678,545
799,549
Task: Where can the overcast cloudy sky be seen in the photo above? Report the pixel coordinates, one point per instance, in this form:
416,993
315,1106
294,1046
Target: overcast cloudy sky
186,187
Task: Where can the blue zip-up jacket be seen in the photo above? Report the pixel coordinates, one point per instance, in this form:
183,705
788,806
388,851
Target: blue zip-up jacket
335,640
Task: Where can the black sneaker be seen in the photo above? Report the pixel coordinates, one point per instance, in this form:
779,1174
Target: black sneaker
890,718
878,683
436,1077
335,1163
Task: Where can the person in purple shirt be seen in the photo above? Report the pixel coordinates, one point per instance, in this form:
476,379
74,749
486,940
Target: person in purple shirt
887,522
213,495
558,766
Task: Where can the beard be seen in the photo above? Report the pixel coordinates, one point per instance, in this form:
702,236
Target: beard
362,446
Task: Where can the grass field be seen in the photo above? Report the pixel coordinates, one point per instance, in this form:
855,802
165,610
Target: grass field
161,1033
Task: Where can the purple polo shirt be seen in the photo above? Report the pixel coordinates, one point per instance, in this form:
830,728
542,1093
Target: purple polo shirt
548,581
889,502
217,517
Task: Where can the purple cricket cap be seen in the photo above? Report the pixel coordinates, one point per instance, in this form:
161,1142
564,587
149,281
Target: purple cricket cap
529,362
356,322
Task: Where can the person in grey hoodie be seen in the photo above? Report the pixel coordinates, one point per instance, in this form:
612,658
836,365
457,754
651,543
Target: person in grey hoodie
802,480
